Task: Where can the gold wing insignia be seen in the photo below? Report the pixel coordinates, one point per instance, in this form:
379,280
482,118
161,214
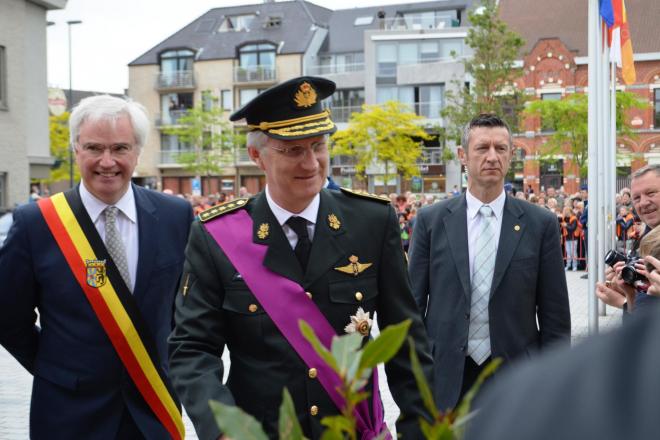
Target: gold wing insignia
355,267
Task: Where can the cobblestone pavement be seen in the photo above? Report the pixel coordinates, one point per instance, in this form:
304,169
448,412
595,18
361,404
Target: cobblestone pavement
15,383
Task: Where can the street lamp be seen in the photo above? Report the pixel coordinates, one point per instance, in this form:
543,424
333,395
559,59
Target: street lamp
69,23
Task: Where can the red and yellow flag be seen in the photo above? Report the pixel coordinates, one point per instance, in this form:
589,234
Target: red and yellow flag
624,42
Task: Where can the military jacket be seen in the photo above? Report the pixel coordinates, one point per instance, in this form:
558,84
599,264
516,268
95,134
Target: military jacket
216,309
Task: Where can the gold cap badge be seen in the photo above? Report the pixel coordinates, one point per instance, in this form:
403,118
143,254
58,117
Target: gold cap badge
355,267
305,96
264,230
334,222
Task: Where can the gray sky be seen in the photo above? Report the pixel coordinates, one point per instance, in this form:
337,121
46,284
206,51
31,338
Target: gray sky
115,32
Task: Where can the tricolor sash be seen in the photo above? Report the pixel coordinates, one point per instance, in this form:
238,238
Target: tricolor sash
113,304
233,233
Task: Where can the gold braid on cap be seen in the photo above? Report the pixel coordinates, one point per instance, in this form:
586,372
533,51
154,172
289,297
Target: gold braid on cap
263,126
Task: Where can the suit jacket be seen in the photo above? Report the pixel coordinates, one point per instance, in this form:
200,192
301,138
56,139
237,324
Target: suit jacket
528,284
218,310
605,388
80,387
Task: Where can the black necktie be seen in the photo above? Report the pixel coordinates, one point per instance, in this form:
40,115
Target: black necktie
304,246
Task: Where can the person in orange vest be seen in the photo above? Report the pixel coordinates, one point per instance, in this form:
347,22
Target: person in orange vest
624,232
569,230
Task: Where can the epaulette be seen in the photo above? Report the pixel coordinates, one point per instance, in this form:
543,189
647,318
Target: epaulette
223,208
364,194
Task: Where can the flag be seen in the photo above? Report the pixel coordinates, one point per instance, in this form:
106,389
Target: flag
607,12
625,61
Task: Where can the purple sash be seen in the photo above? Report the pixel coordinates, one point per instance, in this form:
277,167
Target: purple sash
233,233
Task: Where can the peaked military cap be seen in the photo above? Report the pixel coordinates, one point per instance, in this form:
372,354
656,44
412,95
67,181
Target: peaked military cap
290,110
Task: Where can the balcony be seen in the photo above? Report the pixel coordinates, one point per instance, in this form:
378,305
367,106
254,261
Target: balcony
334,69
431,156
343,114
417,22
170,118
177,80
255,74
171,157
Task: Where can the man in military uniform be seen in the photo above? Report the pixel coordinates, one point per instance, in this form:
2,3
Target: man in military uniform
255,266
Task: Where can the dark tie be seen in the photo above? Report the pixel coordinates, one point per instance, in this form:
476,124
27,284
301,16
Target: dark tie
304,246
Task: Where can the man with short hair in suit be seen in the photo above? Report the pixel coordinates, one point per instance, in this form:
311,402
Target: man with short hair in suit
100,263
486,269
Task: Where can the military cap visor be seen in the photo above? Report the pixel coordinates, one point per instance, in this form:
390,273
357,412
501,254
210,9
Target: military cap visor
290,110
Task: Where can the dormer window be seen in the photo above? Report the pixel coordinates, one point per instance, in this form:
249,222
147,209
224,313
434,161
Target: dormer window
237,23
273,22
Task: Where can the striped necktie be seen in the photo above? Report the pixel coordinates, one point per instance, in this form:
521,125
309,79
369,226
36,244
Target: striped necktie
115,244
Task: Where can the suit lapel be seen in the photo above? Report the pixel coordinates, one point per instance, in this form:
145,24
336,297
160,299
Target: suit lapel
513,228
279,258
329,239
457,236
147,239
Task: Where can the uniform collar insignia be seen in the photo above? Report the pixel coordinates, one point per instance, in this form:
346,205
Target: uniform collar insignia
334,222
355,267
264,231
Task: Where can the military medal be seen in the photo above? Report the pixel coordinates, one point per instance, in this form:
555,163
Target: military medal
360,323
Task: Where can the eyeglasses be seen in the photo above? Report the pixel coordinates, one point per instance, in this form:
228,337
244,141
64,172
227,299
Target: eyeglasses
116,150
298,151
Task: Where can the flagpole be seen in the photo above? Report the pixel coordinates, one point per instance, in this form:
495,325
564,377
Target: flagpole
593,36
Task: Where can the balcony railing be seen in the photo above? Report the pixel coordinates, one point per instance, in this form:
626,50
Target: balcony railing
343,114
248,74
171,157
431,156
170,118
415,23
179,79
334,69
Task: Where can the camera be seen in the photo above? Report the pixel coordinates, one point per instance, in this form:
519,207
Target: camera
629,273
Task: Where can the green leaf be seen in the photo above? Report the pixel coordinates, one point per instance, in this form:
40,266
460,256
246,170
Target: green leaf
385,346
345,350
323,352
421,381
235,423
289,426
332,435
338,424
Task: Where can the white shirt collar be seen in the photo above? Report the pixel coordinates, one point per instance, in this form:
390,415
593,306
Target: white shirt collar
473,204
282,215
95,207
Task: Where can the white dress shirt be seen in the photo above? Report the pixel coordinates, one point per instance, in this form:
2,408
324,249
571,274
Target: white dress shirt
126,223
474,221
282,215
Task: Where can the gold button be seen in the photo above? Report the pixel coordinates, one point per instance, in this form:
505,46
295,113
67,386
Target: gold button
314,410
252,308
312,373
359,296
309,295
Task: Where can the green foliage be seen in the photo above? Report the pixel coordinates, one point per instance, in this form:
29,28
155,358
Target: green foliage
495,48
59,149
569,117
212,141
289,427
235,423
388,133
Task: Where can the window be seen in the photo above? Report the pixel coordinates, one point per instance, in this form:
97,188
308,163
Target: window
207,100
386,57
176,61
345,102
3,81
262,54
656,122
246,95
226,100
173,106
171,148
363,21
273,22
237,23
545,124
431,19
426,100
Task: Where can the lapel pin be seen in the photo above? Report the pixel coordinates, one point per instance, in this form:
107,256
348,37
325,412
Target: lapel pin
355,267
264,230
334,222
516,228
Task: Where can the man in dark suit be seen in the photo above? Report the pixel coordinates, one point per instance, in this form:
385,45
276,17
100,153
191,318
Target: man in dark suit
485,268
250,267
605,388
100,263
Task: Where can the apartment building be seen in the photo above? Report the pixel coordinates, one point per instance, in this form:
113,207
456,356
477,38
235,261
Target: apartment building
24,136
403,52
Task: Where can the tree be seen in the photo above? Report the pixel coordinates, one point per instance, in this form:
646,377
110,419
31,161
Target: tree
59,149
492,70
387,133
569,118
212,140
